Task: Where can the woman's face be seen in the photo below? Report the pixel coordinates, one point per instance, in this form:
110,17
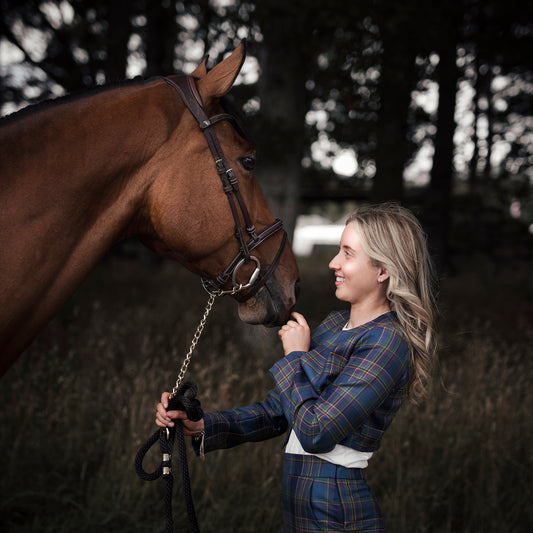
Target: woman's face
357,280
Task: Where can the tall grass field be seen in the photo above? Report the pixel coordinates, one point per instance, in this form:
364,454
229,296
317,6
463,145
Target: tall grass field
81,400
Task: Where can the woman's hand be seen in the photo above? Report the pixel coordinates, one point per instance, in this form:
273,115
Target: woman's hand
295,334
163,418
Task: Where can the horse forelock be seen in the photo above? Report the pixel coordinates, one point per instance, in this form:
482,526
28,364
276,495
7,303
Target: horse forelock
238,119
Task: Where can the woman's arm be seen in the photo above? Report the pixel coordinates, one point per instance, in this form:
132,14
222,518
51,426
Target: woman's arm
323,418
253,423
229,428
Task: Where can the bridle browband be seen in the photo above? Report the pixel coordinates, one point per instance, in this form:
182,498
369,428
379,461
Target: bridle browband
186,87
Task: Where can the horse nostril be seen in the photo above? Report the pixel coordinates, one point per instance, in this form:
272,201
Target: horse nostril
297,289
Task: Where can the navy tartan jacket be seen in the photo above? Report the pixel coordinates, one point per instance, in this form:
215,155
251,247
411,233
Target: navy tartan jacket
345,390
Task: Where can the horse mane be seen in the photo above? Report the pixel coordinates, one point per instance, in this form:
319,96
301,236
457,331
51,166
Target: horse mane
32,109
73,96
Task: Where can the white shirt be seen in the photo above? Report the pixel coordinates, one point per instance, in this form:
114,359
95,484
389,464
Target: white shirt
340,455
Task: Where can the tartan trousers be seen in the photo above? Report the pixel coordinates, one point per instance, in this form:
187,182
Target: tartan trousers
319,496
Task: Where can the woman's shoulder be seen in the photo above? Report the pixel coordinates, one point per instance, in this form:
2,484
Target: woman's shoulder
383,330
387,320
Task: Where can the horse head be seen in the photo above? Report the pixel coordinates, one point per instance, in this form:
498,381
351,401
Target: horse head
210,213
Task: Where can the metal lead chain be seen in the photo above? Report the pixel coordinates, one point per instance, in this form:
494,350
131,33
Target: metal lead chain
194,342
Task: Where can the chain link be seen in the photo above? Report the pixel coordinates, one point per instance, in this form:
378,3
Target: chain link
194,342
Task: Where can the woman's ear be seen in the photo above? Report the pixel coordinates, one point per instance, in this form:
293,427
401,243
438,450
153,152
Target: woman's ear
383,275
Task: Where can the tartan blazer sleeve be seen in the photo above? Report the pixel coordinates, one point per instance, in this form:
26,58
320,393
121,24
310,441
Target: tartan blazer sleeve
346,393
253,423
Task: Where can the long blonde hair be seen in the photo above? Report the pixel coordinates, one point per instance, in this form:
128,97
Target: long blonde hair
394,239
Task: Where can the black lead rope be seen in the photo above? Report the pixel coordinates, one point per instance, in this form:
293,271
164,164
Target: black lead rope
183,400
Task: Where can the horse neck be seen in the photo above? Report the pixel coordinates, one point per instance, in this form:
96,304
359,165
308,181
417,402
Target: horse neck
73,177
80,164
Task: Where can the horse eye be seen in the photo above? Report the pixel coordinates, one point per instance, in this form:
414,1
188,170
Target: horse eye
248,162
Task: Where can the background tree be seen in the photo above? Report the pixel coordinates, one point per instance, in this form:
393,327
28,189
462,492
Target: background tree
396,21
330,80
284,101
444,43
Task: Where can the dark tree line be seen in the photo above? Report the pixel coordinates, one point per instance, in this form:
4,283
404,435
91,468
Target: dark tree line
355,65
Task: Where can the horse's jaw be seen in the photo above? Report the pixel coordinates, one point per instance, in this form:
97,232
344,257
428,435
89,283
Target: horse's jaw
267,307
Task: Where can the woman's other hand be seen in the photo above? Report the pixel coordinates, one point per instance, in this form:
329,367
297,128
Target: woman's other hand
295,335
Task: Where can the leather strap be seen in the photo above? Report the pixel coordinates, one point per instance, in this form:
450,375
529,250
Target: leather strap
186,87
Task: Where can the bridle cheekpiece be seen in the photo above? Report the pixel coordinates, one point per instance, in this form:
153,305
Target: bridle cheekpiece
186,87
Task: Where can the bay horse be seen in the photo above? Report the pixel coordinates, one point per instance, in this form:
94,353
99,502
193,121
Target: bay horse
81,173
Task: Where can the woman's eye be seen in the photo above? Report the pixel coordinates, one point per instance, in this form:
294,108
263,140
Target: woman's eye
248,162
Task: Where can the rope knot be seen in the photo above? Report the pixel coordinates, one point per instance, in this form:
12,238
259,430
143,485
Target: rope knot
184,399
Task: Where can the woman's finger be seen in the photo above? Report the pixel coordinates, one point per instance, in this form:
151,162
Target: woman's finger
164,399
181,415
300,319
161,409
162,420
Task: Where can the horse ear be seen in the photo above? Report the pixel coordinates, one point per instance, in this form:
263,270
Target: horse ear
218,81
201,70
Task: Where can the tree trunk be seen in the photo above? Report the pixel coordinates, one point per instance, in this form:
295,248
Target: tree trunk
118,35
396,83
282,93
161,35
474,160
490,122
440,190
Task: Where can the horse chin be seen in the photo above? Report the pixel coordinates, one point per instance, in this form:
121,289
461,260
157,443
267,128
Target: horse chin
265,308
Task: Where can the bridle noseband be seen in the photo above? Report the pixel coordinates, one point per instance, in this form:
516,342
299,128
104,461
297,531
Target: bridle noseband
186,87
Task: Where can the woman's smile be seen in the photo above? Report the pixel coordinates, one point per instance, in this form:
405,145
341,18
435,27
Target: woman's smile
339,280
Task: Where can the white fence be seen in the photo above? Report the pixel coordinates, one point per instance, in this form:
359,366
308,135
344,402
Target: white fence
311,231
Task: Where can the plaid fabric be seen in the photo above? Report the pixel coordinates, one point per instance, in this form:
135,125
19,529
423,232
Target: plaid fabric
257,422
319,496
347,388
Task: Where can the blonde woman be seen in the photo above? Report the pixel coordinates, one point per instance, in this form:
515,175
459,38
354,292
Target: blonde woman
337,389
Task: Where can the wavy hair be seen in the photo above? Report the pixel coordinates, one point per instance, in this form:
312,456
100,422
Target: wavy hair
394,239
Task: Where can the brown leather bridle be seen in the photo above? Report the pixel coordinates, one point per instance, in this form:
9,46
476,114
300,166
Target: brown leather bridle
186,87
